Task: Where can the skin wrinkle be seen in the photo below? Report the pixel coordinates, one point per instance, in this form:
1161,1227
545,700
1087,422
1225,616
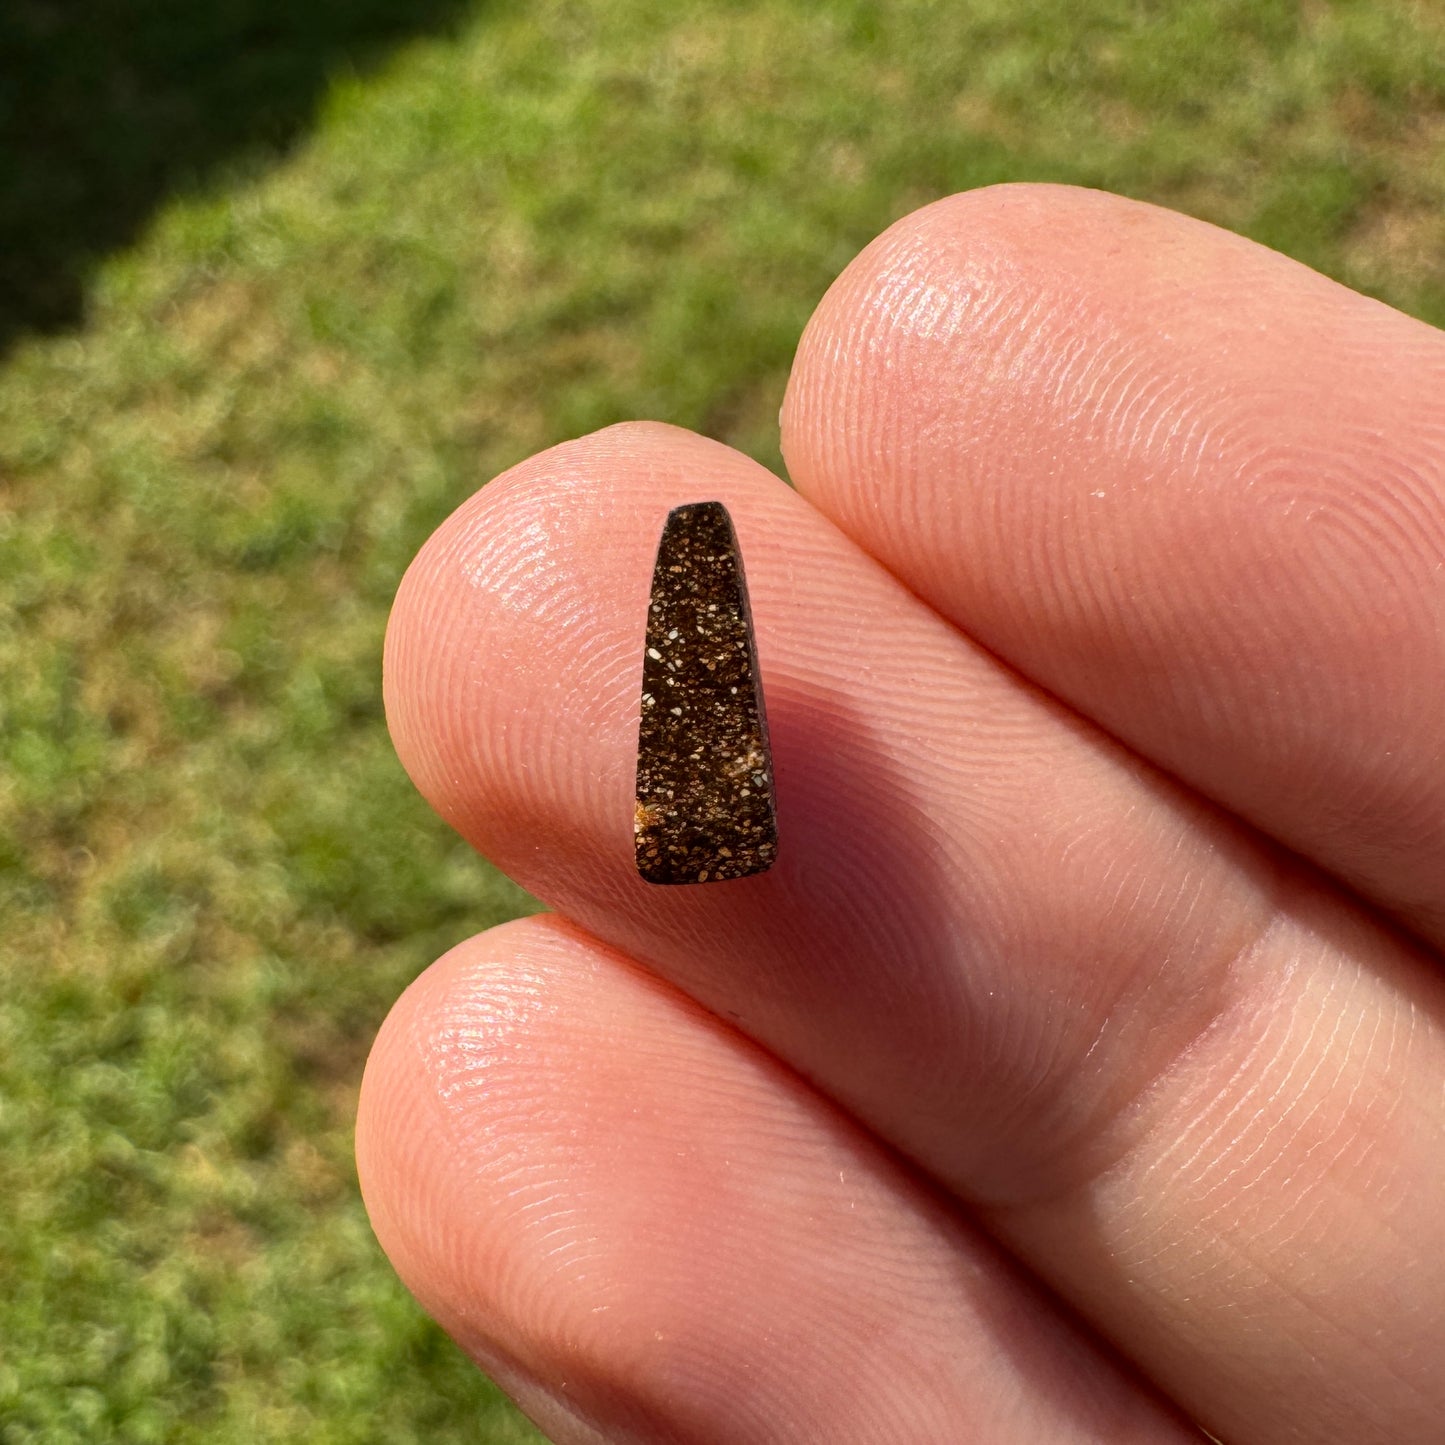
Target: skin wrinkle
1170,407
1374,539
1300,1090
1257,1102
1268,1143
1127,1129
1014,357
1390,1063
1366,1137
1075,572
1347,1137
1159,972
411,715
1184,1059
1120,403
508,573
1111,1123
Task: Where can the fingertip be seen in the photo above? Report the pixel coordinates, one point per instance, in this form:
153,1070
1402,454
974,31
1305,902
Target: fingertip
647,1229
944,298
1183,482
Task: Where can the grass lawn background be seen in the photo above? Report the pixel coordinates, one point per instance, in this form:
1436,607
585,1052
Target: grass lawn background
277,295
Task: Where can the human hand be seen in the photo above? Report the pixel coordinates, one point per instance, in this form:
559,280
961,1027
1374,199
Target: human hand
1034,1095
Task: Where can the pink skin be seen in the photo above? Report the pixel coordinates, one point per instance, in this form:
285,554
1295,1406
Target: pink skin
644,1163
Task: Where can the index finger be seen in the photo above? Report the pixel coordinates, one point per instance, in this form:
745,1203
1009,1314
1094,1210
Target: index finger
1184,483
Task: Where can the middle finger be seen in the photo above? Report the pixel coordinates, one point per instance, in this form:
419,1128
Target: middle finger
1025,958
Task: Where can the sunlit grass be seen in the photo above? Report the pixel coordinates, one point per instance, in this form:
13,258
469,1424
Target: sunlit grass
214,877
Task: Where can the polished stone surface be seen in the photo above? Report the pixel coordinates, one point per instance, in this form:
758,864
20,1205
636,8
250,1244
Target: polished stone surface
705,810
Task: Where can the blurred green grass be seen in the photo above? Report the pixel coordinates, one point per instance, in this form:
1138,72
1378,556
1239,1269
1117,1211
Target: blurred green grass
214,878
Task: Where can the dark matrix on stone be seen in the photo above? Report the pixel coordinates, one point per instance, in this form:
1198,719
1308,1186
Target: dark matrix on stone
704,773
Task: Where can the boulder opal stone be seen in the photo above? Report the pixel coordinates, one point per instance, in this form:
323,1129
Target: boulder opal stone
705,809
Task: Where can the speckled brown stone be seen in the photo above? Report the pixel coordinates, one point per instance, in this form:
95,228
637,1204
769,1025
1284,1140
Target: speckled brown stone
704,773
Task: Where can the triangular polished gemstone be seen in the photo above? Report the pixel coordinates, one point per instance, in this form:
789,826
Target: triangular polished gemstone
705,808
